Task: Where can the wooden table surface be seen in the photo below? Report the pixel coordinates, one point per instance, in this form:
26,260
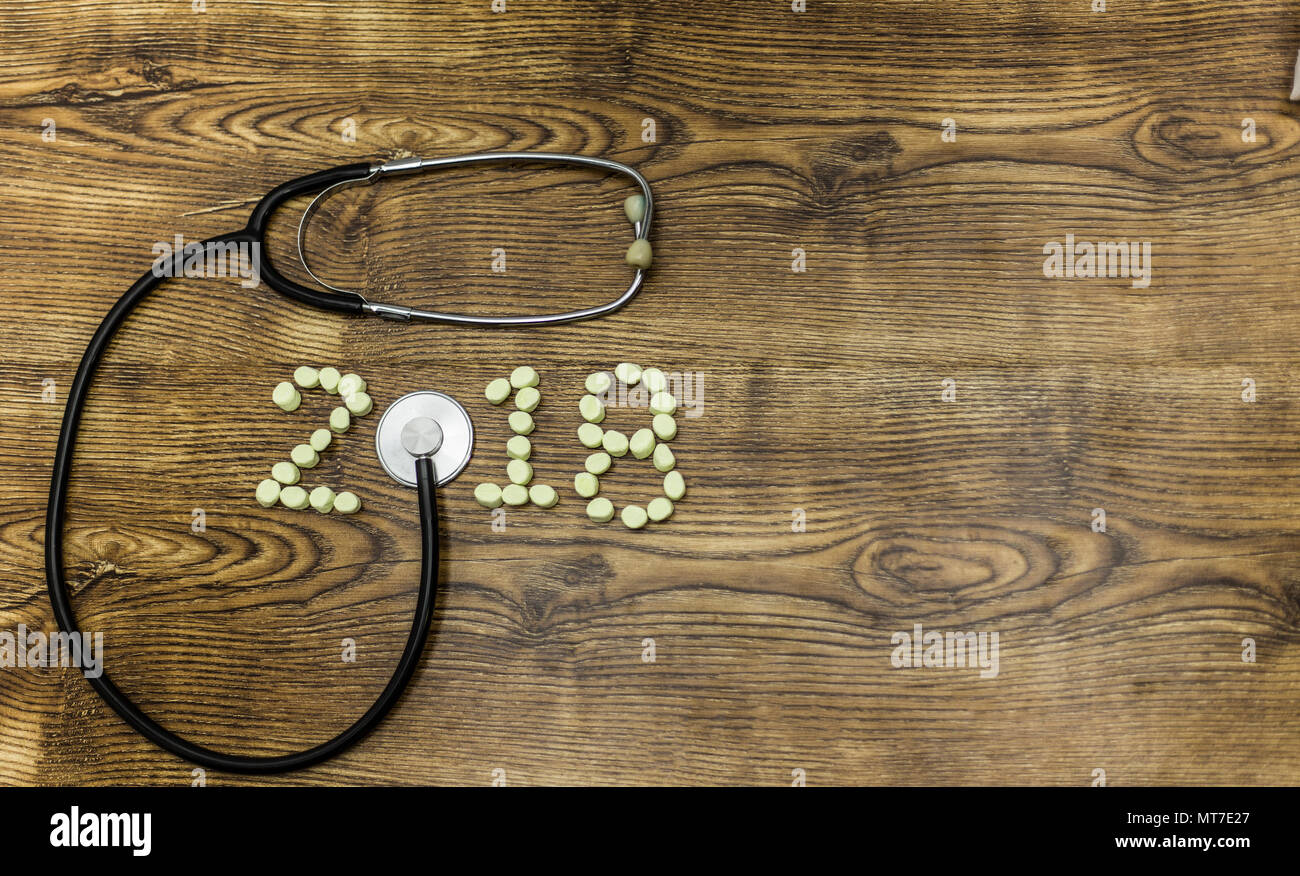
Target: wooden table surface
943,417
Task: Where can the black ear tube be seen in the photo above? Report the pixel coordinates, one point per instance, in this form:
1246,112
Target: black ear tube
426,482
255,232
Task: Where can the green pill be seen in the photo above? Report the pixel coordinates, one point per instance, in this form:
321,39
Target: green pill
600,510
628,373
347,502
590,435
674,486
519,447
498,391
340,420
306,377
665,427
521,422
322,499
359,403
488,495
329,380
543,496
519,472
654,380
514,495
598,463
527,399
659,509
294,497
664,459
585,484
304,456
614,442
591,409
634,517
351,384
598,382
663,403
286,396
320,439
524,376
642,443
285,472
268,492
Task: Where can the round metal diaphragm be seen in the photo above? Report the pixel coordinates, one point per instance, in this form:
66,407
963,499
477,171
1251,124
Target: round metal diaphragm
422,436
451,456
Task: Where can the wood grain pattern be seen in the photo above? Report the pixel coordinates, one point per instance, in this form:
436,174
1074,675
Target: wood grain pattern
776,130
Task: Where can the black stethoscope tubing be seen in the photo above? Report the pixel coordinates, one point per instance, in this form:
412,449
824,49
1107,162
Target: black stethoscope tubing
426,479
56,514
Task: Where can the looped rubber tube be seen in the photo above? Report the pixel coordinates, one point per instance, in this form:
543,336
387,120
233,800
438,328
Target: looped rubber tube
120,702
259,220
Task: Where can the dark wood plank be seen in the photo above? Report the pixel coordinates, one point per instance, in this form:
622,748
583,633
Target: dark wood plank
1119,650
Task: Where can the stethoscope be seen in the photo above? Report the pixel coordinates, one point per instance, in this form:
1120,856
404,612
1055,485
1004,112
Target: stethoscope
424,439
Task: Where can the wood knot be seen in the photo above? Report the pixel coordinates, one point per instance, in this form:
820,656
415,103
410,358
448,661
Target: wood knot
947,565
846,161
157,75
1204,140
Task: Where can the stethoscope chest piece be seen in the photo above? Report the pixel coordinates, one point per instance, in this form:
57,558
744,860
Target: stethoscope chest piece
423,440
424,423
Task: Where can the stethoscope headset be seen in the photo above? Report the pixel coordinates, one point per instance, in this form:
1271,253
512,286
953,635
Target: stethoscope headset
423,440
